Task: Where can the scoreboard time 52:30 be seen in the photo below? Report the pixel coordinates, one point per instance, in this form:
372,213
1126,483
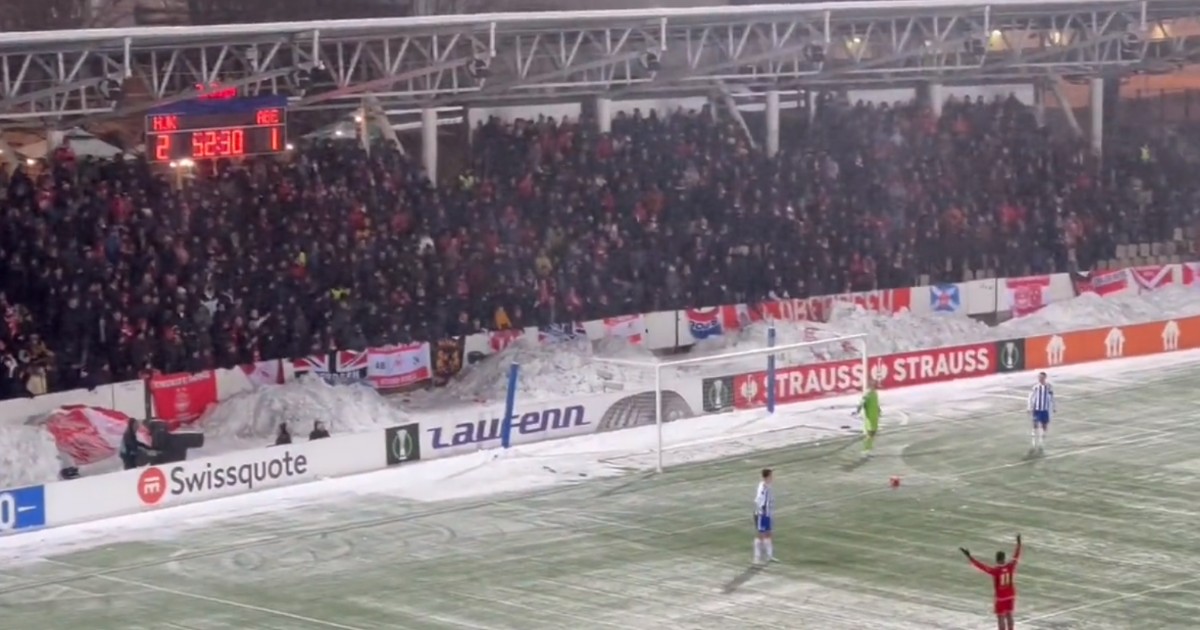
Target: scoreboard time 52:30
207,130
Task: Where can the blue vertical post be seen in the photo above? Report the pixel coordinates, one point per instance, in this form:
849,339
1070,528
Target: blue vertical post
771,370
510,403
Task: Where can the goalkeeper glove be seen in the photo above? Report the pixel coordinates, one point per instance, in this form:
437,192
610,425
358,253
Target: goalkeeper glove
965,552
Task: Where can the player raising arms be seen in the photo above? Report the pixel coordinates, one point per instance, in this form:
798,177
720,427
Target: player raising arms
764,504
869,408
1041,403
1004,576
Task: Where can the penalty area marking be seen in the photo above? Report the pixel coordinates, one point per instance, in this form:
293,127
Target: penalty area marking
1113,600
212,600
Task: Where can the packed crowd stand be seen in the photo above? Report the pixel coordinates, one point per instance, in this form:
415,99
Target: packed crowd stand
109,271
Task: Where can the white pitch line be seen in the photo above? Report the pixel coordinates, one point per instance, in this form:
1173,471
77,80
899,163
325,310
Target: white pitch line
207,598
977,471
1112,600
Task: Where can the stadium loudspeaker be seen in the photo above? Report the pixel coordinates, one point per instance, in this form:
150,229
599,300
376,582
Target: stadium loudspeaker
510,403
771,371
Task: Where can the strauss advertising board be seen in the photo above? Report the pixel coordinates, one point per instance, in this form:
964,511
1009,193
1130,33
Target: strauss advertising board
809,382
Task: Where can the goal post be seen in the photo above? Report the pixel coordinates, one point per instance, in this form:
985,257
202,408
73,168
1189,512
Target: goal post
737,380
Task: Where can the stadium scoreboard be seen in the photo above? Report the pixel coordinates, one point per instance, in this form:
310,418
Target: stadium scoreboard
214,129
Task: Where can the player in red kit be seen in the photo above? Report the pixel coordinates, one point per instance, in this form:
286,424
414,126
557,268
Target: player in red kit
1004,576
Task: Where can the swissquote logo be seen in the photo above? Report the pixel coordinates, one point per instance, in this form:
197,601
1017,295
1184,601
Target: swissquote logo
1170,336
185,479
151,486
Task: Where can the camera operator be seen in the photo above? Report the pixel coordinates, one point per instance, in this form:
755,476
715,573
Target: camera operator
131,445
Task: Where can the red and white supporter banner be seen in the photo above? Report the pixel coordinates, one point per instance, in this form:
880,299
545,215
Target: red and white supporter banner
820,309
1026,295
501,339
1101,283
631,328
809,382
89,434
1152,277
399,366
264,373
182,398
1191,274
709,322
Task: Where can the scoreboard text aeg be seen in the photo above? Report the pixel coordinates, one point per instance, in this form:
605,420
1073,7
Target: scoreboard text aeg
231,133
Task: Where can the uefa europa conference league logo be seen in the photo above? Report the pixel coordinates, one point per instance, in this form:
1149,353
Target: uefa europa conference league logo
403,444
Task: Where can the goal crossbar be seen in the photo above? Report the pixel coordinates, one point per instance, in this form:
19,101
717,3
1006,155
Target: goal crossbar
738,354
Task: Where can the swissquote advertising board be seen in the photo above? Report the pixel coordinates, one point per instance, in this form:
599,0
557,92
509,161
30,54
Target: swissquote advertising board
152,487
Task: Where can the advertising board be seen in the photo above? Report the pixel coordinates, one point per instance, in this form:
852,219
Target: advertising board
22,509
153,487
809,382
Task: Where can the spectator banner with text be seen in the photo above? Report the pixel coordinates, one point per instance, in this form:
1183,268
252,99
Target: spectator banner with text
182,398
397,367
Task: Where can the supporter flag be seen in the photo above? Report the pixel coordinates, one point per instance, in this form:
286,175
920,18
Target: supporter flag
1152,277
1026,295
738,316
558,333
449,359
87,435
705,322
264,373
182,398
399,366
498,340
335,368
631,328
945,298
1191,274
1101,283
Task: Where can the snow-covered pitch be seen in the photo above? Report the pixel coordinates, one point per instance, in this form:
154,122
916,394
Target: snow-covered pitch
573,534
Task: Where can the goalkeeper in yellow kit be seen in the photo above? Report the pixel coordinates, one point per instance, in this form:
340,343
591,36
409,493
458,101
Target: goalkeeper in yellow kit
870,411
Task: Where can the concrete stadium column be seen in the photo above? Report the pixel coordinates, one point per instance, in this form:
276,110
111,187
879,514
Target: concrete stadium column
1039,103
1097,113
604,114
772,142
54,139
429,142
937,98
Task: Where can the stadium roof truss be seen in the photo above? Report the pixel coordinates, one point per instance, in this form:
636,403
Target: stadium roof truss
530,57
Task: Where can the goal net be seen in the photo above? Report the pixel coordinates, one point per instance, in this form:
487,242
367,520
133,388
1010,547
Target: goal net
751,374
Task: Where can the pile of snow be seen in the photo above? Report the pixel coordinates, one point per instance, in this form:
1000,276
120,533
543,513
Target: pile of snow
252,418
28,455
558,370
1090,310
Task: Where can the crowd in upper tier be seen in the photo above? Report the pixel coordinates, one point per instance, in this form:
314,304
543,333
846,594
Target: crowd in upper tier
109,270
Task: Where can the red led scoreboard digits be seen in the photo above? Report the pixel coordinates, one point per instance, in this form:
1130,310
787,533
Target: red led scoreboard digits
231,132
